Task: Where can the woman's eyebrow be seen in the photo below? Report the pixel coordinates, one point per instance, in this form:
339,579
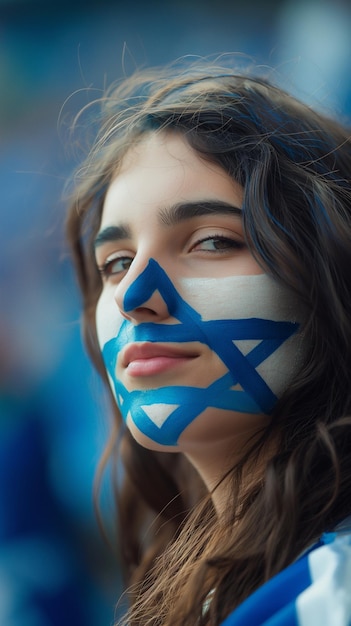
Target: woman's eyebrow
182,211
171,216
112,233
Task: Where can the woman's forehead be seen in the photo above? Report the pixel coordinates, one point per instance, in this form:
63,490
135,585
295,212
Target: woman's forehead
162,169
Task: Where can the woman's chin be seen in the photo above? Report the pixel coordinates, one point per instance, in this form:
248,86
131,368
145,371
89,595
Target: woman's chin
145,441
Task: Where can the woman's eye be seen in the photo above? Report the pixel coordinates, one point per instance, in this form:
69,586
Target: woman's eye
217,244
115,266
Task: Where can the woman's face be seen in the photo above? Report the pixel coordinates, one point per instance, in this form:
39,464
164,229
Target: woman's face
197,340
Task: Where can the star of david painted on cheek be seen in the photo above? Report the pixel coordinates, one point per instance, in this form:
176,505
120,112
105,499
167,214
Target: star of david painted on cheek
162,414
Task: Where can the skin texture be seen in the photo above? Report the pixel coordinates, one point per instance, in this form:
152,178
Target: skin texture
160,173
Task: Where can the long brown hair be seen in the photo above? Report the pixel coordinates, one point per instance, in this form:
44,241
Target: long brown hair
295,167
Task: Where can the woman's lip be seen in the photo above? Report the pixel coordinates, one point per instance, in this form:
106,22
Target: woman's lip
155,365
147,359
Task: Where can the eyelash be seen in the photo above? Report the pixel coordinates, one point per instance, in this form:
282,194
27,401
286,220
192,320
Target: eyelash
106,269
231,243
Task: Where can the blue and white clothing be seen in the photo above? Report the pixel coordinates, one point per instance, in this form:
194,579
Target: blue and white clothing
314,591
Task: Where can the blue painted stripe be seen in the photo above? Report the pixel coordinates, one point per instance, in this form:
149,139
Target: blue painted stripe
219,335
273,604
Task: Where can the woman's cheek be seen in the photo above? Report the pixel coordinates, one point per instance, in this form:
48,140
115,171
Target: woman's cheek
108,319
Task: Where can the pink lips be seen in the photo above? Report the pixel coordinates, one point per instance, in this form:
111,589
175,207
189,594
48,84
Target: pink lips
147,359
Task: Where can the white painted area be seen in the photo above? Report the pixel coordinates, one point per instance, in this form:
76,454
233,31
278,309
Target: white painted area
327,602
241,297
246,345
159,413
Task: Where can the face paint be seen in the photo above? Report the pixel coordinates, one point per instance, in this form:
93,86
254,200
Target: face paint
256,339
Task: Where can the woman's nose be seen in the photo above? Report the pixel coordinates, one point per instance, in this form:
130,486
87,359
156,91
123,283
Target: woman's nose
138,295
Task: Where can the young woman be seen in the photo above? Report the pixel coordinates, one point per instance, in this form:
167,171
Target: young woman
211,229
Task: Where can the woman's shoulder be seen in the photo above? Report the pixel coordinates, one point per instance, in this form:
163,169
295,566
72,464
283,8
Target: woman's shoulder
315,590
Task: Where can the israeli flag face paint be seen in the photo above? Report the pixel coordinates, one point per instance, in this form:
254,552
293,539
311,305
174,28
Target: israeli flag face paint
255,341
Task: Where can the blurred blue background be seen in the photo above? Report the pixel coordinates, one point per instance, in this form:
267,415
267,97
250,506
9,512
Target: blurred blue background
54,567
